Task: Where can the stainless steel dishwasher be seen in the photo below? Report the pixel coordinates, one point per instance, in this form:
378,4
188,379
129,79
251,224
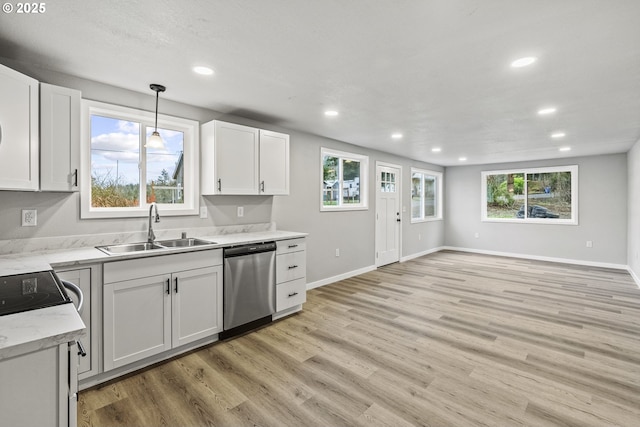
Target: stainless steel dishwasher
249,287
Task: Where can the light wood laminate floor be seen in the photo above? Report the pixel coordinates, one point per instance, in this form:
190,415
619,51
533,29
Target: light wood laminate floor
448,339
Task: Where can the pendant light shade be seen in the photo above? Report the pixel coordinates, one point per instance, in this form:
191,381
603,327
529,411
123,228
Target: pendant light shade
155,141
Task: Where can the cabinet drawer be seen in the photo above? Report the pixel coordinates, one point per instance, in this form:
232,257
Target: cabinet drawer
291,245
290,294
291,266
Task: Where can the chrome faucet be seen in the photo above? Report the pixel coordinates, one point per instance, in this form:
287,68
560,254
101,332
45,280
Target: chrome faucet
151,235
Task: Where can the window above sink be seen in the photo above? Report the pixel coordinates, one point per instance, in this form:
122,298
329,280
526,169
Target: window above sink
121,177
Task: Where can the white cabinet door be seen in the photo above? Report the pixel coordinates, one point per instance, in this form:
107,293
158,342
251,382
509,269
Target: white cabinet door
236,159
18,131
82,278
196,304
137,319
35,389
59,138
274,163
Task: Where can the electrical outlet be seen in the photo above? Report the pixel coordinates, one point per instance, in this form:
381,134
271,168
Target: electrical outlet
337,252
29,217
477,235
589,244
240,211
203,212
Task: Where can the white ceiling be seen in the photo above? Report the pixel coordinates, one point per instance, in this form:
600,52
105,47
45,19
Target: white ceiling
436,71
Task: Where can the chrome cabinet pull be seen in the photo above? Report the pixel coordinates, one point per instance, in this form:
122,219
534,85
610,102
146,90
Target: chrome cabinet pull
293,294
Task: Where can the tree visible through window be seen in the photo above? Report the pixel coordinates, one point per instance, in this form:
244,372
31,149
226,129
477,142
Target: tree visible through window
547,195
125,176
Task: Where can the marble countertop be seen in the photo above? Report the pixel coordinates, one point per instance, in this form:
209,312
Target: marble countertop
28,331
33,330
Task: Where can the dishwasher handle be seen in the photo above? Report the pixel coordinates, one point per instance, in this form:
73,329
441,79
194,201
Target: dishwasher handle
251,249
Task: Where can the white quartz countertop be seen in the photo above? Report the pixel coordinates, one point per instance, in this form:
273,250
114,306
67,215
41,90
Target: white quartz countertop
33,330
24,332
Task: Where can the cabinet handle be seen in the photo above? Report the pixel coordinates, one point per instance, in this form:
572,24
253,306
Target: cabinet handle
293,246
176,289
262,186
75,178
219,184
292,267
168,286
81,351
293,294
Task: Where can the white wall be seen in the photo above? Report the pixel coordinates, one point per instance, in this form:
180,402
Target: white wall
633,198
602,214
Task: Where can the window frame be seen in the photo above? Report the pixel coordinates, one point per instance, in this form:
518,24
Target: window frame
573,169
364,180
191,159
438,199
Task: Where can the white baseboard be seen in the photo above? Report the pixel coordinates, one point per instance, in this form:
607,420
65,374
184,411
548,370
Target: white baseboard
540,258
339,277
419,254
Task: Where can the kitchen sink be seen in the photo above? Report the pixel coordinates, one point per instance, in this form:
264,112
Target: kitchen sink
184,243
129,247
126,248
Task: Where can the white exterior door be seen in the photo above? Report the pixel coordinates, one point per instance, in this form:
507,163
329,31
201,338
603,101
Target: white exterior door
387,214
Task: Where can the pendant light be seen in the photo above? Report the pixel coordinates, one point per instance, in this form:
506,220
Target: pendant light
155,141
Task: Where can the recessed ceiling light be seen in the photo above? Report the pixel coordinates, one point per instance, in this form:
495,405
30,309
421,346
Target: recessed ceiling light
557,135
547,110
436,149
331,113
462,159
564,149
523,62
205,71
396,136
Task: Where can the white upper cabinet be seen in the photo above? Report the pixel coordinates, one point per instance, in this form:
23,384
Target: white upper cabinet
274,163
239,159
59,138
18,131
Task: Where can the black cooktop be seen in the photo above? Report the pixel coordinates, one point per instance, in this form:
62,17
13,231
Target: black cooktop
24,292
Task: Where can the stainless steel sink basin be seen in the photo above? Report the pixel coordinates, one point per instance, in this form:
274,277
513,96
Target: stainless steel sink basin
184,243
129,247
126,248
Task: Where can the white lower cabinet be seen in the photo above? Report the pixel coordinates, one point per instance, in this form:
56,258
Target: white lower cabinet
38,389
87,365
155,304
291,270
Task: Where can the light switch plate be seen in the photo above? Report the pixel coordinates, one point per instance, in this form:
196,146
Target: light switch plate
29,217
203,212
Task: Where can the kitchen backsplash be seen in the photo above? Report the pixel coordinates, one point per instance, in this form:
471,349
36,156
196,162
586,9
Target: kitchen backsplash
15,246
